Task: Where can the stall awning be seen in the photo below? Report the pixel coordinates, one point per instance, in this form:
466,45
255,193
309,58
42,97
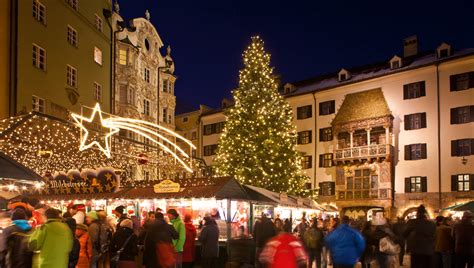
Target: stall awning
11,169
469,206
264,195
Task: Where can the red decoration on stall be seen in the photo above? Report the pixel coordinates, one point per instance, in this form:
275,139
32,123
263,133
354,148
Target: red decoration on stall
142,159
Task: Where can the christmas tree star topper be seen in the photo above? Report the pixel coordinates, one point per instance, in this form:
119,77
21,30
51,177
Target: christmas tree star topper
112,130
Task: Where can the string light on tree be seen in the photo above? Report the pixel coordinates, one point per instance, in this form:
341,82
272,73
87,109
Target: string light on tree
258,143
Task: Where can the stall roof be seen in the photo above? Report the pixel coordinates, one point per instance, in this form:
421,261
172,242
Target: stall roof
12,169
264,195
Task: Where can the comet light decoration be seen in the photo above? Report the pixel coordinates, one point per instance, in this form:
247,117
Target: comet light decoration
155,133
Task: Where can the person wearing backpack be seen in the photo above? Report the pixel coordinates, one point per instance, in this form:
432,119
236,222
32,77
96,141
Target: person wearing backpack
314,242
17,253
99,238
284,251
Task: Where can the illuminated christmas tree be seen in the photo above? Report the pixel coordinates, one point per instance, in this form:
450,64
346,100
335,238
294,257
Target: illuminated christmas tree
258,143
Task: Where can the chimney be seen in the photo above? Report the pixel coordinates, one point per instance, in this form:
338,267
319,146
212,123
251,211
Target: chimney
410,46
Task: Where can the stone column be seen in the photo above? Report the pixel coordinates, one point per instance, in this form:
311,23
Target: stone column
351,132
368,135
387,134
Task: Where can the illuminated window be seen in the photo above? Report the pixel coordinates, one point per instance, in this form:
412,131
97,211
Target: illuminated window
71,76
304,137
325,134
462,182
123,57
39,57
210,150
325,160
98,55
307,162
416,184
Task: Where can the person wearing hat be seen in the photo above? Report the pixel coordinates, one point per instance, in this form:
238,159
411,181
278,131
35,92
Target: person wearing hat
19,256
78,212
181,230
53,241
420,234
463,234
125,240
85,253
98,235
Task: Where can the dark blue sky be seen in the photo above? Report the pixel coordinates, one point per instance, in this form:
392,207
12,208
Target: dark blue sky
305,38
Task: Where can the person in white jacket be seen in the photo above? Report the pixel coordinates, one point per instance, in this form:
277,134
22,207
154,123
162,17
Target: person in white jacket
78,212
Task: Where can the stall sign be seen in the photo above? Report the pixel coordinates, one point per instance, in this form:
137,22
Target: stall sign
283,197
87,181
166,186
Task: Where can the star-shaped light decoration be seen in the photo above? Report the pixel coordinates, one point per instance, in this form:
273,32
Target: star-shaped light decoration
112,130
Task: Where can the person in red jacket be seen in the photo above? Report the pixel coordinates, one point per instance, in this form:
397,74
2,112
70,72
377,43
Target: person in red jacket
284,251
188,248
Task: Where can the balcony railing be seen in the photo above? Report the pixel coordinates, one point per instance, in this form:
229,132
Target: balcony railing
370,151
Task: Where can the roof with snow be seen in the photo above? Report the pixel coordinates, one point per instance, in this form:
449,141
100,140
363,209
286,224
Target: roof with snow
351,109
361,73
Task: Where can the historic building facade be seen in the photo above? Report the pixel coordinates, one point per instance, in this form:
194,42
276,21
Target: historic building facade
57,56
385,136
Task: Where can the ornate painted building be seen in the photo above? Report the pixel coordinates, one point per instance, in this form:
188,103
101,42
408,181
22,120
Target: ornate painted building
143,86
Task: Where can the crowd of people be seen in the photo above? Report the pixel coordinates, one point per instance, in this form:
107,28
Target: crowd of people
41,236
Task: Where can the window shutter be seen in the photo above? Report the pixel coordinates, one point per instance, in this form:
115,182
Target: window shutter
407,185
406,122
407,152
454,148
405,92
320,108
471,182
298,113
333,188
310,134
321,160
454,183
471,79
424,184
423,151
321,134
471,113
453,116
423,120
452,81
333,107
422,89
472,147
310,111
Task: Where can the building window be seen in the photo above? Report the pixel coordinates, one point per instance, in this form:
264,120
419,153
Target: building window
327,188
97,92
304,137
74,4
325,134
185,119
304,112
146,107
325,160
39,11
38,104
462,115
416,184
462,147
71,76
193,135
146,75
71,36
171,87
98,22
98,55
462,81
395,64
462,182
307,162
39,57
327,107
127,95
414,90
123,57
415,151
165,85
215,128
415,121
210,149
165,114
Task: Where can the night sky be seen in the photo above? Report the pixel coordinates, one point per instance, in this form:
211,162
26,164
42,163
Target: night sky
305,38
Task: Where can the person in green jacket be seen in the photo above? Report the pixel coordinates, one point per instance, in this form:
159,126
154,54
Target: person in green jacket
178,244
52,242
